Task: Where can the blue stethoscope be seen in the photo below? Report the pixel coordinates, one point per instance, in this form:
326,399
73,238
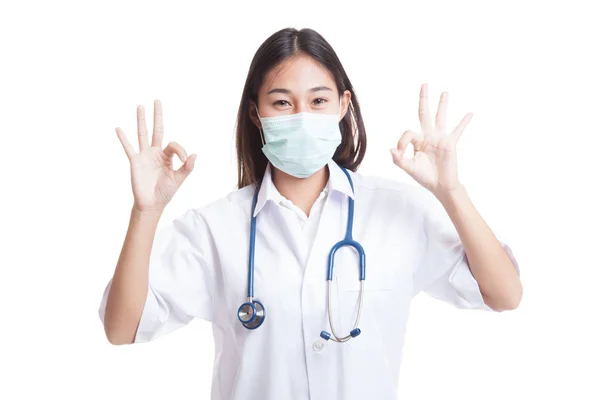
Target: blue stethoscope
252,313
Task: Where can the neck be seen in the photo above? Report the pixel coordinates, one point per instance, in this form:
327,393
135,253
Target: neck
303,192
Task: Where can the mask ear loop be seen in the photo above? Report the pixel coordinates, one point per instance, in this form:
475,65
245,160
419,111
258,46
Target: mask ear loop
262,136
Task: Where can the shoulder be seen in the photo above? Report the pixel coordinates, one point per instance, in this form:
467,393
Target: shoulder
218,217
232,205
382,190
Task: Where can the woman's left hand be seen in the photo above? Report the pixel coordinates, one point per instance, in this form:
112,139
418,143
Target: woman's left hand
434,163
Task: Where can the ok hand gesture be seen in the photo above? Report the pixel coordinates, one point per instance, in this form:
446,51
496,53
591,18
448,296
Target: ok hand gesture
434,164
153,179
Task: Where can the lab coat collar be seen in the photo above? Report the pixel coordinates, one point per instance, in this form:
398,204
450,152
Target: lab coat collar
268,192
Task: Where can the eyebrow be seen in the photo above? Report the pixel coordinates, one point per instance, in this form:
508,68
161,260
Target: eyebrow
287,91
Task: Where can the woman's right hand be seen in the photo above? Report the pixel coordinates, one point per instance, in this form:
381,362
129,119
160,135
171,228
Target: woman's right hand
153,179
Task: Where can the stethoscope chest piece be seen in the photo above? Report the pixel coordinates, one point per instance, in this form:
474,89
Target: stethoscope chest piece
252,314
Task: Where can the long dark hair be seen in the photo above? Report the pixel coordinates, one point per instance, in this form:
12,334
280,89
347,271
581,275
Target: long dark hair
289,42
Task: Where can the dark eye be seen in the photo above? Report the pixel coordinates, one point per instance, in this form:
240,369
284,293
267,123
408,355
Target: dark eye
320,102
278,102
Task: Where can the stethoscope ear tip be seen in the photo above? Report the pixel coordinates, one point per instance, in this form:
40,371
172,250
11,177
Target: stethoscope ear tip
325,335
355,332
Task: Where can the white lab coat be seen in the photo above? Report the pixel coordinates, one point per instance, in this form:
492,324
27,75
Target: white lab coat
199,269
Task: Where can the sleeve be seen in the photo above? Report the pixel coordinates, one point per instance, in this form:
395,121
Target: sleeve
444,272
180,279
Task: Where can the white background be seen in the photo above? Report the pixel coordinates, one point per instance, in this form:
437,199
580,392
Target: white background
71,72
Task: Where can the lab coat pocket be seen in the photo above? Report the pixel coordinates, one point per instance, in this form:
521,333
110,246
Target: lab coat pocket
378,298
387,294
366,355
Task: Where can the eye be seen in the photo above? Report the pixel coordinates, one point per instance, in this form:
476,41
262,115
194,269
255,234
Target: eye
278,102
323,101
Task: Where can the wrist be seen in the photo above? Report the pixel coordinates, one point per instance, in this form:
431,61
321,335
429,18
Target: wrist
145,213
451,196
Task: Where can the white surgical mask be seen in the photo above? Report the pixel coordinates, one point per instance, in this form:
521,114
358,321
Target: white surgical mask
300,144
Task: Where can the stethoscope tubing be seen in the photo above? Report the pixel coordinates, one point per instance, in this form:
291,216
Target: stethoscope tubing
252,313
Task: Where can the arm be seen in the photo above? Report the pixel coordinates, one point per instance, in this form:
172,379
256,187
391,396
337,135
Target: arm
434,166
496,275
154,183
129,287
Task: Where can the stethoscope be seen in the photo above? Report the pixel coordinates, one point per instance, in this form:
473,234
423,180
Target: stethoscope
252,313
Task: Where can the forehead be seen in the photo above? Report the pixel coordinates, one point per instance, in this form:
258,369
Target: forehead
298,74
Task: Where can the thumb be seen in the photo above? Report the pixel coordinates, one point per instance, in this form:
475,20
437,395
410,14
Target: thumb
186,168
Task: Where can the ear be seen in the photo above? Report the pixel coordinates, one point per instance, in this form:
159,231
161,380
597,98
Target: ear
346,97
252,114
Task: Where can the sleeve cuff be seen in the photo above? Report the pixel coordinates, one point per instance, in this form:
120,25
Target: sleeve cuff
150,321
466,285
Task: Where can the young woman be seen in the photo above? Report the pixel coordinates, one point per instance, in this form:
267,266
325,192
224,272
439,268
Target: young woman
307,270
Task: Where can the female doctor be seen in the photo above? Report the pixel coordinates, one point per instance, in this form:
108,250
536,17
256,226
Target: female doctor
307,270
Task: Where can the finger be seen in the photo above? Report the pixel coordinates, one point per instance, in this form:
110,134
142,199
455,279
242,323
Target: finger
142,131
455,135
185,169
129,150
175,148
406,138
157,134
424,110
399,153
411,137
440,116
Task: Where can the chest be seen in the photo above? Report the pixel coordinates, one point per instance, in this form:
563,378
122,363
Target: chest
288,254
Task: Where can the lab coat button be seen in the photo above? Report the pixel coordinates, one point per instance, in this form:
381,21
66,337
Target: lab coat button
318,345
